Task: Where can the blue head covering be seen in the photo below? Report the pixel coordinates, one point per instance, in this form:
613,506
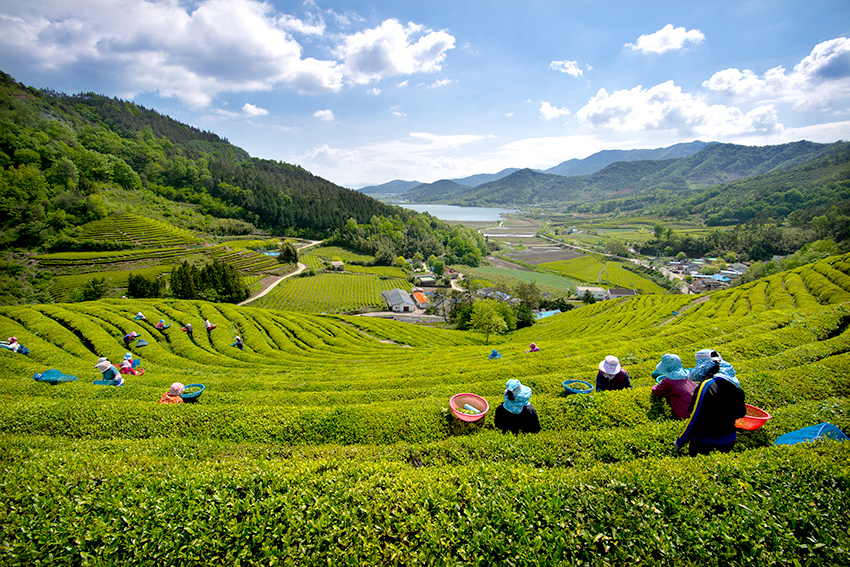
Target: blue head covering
705,361
670,367
495,354
516,396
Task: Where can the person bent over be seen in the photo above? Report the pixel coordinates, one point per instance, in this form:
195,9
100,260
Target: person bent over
128,366
674,384
611,375
172,396
515,413
717,403
111,376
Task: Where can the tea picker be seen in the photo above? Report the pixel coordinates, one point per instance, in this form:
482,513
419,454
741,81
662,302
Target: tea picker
111,375
12,344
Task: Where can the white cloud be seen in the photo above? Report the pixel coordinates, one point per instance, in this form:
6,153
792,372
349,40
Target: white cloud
509,114
374,91
326,115
392,49
666,39
665,107
571,68
546,152
427,157
815,83
439,83
196,51
451,141
249,109
548,112
315,26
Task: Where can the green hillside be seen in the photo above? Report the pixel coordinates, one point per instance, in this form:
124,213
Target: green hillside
70,159
635,184
328,439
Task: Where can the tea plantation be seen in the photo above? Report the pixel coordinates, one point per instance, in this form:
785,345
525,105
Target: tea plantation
328,441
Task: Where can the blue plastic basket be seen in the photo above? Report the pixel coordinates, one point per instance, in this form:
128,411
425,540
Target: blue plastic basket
193,397
577,387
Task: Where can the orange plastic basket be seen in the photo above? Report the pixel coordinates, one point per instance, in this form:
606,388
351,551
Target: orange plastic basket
458,400
754,419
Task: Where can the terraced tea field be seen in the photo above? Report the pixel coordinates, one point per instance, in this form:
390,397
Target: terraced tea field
328,439
594,271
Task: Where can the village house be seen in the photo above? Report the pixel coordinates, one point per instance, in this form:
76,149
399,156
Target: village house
451,272
337,266
615,293
597,293
399,301
426,280
420,298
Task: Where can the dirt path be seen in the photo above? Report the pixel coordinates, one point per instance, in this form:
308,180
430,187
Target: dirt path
702,299
301,268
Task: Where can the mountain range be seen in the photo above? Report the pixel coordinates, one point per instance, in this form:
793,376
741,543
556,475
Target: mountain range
631,174
590,164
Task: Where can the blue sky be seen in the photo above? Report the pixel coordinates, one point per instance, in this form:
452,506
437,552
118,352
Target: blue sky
363,92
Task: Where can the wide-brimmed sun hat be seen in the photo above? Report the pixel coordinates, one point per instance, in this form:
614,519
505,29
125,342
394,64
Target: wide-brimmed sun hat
611,365
516,396
176,389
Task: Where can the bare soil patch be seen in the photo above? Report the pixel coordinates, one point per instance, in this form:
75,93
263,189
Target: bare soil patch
540,254
499,263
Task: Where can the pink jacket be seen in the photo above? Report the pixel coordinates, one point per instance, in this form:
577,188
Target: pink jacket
679,393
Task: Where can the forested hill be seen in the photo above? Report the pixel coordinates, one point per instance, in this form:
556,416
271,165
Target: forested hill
716,163
70,159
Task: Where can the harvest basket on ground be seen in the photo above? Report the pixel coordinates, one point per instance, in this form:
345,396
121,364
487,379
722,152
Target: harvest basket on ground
577,387
192,392
754,419
459,401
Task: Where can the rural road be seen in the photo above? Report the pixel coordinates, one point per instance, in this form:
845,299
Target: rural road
301,268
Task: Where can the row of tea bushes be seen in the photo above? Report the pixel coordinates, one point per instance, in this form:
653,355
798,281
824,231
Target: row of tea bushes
777,505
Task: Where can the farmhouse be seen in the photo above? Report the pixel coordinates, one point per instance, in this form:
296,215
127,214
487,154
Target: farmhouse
426,280
708,283
399,301
452,273
597,293
337,266
420,299
615,293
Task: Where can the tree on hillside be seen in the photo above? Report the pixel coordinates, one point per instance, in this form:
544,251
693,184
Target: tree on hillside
487,319
141,286
528,293
93,290
288,254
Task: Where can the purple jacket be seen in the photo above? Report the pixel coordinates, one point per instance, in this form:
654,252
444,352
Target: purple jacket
620,381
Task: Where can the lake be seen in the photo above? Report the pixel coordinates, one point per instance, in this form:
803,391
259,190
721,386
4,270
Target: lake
453,213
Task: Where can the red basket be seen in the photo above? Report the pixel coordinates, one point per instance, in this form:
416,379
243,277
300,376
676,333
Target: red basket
754,419
474,400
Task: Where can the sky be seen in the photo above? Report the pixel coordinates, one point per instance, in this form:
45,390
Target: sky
362,93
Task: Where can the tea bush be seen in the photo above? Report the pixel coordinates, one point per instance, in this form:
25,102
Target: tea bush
328,439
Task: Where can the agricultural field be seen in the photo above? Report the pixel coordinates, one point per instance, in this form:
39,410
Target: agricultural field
316,257
330,293
71,270
328,439
592,270
134,230
63,286
545,281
